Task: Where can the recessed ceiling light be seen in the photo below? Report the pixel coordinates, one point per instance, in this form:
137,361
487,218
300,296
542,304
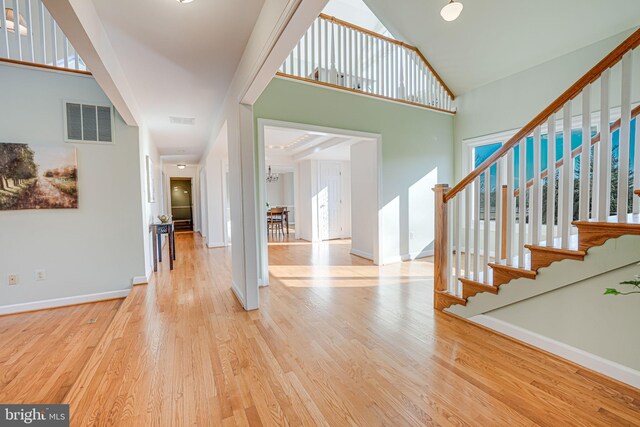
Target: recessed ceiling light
184,1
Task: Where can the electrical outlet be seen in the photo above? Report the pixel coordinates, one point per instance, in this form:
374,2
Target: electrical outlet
41,275
13,279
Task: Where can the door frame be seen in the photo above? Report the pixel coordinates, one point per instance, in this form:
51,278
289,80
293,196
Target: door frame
263,248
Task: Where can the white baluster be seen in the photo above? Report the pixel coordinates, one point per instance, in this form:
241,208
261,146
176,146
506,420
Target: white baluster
536,189
16,25
452,285
522,202
510,206
43,32
458,236
487,224
604,151
65,50
325,53
5,53
585,154
567,177
54,42
313,48
76,59
551,178
498,212
467,231
476,230
29,20
625,134
636,167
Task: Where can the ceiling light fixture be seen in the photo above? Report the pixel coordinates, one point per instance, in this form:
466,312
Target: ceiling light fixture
181,166
272,177
11,25
451,11
184,1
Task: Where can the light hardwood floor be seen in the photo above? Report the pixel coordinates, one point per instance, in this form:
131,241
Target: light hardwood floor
337,341
42,353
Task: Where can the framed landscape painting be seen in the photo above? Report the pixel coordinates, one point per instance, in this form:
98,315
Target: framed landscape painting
38,177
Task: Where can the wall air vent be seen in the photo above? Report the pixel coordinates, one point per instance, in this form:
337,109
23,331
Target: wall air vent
88,123
182,120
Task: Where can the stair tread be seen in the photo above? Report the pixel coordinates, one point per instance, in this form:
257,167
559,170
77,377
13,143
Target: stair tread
613,221
514,263
486,287
556,246
480,279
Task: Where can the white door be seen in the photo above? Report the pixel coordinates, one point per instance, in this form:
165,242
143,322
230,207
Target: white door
329,200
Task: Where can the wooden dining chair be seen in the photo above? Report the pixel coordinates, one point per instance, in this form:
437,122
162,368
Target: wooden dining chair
276,220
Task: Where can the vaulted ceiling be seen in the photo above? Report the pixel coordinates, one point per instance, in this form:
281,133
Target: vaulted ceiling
493,39
179,61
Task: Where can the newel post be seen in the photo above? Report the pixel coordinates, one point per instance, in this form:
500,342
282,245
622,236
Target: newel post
441,245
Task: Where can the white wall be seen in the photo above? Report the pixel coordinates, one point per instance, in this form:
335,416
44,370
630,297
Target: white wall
95,249
364,202
512,102
151,210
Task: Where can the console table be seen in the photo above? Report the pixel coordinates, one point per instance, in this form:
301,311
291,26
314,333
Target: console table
158,230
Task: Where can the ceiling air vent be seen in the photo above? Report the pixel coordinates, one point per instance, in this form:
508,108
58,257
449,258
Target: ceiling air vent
182,120
88,123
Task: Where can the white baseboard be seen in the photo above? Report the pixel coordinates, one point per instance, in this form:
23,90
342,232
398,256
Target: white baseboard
362,254
61,302
595,363
139,280
391,260
416,255
216,245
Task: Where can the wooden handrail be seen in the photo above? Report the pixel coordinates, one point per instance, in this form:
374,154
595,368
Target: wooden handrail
393,41
46,67
592,75
596,138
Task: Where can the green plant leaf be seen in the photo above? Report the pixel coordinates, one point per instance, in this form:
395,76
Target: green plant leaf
631,282
611,291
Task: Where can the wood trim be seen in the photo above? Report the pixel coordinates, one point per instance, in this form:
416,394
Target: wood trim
578,150
544,256
390,40
442,300
471,288
441,242
574,90
43,66
387,98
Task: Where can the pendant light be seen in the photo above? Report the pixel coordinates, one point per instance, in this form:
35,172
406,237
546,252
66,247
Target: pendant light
272,177
451,11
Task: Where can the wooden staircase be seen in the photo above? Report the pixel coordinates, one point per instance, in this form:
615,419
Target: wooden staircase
590,234
475,253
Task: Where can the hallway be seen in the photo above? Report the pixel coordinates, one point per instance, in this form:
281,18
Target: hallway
337,341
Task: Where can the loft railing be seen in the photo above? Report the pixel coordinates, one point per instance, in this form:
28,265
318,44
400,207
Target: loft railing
336,53
29,35
499,207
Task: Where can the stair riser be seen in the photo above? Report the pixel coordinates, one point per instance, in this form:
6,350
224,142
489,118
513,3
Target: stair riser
502,276
594,235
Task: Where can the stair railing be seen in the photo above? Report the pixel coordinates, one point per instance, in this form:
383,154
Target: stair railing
339,54
30,36
494,219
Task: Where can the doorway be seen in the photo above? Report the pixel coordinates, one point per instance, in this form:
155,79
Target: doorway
182,203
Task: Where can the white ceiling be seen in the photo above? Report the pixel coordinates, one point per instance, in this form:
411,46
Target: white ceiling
285,146
493,39
179,60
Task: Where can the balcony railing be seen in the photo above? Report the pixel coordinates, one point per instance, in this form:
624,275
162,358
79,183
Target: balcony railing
30,35
339,54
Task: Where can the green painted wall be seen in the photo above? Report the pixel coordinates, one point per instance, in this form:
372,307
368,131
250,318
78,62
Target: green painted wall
417,150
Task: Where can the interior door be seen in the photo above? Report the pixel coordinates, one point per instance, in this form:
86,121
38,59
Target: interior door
329,200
